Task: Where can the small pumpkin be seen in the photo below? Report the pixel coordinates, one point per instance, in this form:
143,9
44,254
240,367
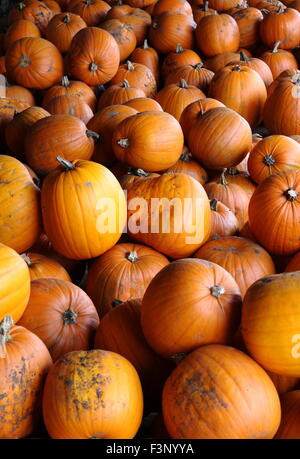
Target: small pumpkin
258,65
20,29
93,12
194,75
35,11
223,220
248,21
62,28
143,104
118,94
124,36
139,20
138,76
282,25
279,60
180,6
187,165
41,267
178,58
70,105
148,56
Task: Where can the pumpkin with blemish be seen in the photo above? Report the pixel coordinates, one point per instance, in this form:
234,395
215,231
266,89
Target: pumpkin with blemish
123,34
148,56
70,105
223,220
279,60
71,88
93,12
24,364
218,392
171,28
180,6
143,104
178,58
20,29
248,21
62,28
199,303
282,25
35,11
41,267
119,93
138,76
8,109
92,394
194,75
139,20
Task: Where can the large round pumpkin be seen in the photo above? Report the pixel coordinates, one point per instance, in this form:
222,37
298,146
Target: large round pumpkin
34,11
137,75
282,25
62,28
92,394
289,428
84,209
70,105
20,29
41,267
198,303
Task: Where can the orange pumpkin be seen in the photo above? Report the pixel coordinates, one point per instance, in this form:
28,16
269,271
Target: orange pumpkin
180,6
71,88
284,384
20,93
92,11
279,60
195,75
282,25
20,29
258,65
143,104
148,56
178,58
119,93
223,220
187,165
138,76
62,28
219,61
41,267
34,11
123,34
139,20
248,21
70,105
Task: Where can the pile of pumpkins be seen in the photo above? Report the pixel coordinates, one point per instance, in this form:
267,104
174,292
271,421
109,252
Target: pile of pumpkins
107,328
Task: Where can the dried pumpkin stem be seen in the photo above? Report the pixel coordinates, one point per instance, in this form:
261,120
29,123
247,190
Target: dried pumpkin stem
217,291
269,160
223,180
125,84
65,81
137,172
291,194
177,358
66,19
92,134
244,57
232,171
132,256
93,67
183,84
27,259
275,49
213,204
198,66
5,327
65,163
21,6
116,302
179,49
124,143
206,7
186,157
145,44
130,66
69,316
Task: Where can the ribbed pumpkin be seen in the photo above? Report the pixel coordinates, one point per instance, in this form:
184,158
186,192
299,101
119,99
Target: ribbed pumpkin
241,89
35,11
152,153
198,303
68,319
183,203
62,28
223,220
148,56
84,209
20,93
194,75
258,65
20,29
200,12
220,138
279,60
34,63
8,109
270,323
57,135
143,104
108,392
289,428
169,29
178,58
218,392
138,76
236,177
242,258
139,20
282,25
219,61
223,5
41,267
93,12
20,222
122,273
273,154
24,363
187,165
71,88
118,94
70,105
274,213
248,20
163,6
93,56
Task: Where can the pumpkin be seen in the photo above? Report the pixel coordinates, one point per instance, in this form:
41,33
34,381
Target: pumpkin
141,3
117,11
294,263
132,175
92,11
68,319
202,11
20,29
242,179
242,258
71,88
62,28
147,56
241,89
282,25
175,97
169,29
223,220
279,60
34,63
270,323
220,138
104,123
70,105
19,206
275,205
93,56
179,6
179,58
17,128
130,145
123,34
187,165
108,393
53,6
120,331
194,75
224,30
57,135
19,93
273,154
219,61
248,21
258,65
123,273
36,12
41,267
143,104
139,20
286,75
138,76
170,213
276,118
196,110
24,364
289,428
223,5
213,302
284,384
218,392
119,93
8,109
89,229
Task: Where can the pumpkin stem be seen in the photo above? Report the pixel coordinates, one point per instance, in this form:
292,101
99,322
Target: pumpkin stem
186,156
65,81
155,25
183,84
116,302
269,160
198,66
130,66
65,163
89,2
177,358
21,6
145,44
236,68
244,57
27,259
223,180
291,194
69,316
132,256
179,49
125,84
217,291
66,19
275,49
124,143
206,8
24,61
93,67
137,172
281,9
213,204
92,134
232,171
5,326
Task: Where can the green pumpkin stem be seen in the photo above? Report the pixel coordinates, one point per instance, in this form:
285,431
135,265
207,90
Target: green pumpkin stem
125,84
244,57
186,157
124,143
92,134
183,84
291,195
66,19
145,44
5,327
206,7
116,302
217,291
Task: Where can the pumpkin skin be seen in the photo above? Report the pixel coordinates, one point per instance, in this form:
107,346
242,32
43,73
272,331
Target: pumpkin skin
289,428
284,384
17,129
50,137
223,220
119,93
143,104
24,364
225,32
62,28
282,25
169,29
8,109
213,133
109,392
130,145
70,105
20,29
273,154
81,233
21,94
294,263
147,56
279,60
182,239
195,75
242,258
179,319
248,20
123,273
274,204
123,34
219,61
36,12
270,323
187,165
178,58
180,6
67,320
138,76
20,216
223,5
14,290
93,56
241,89
92,11
139,20
71,88
258,65
244,403
28,61
242,179
41,267
119,11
